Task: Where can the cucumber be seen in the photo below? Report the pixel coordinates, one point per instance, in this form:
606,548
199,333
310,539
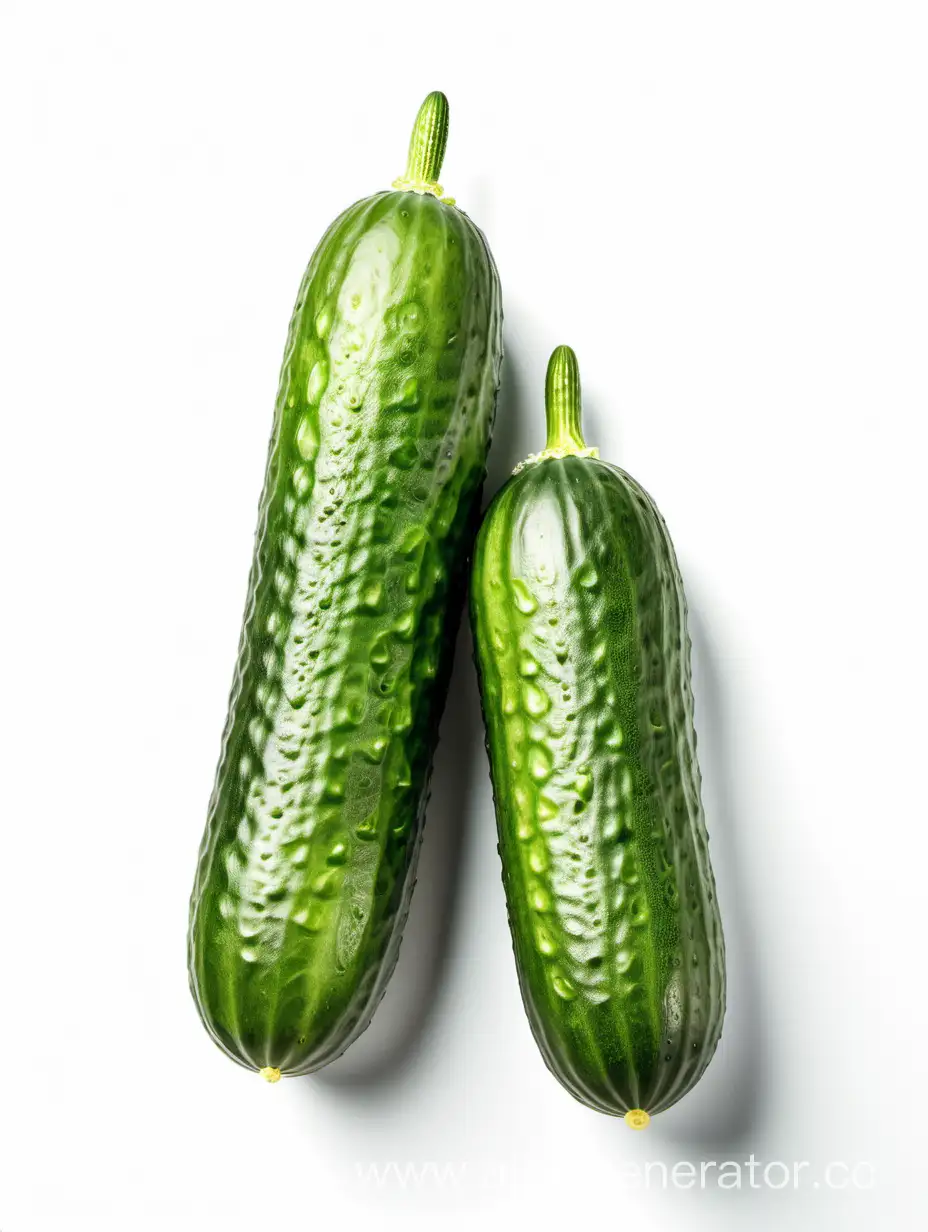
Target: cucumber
371,497
579,623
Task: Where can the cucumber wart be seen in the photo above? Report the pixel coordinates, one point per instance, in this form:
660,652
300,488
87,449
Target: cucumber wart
377,458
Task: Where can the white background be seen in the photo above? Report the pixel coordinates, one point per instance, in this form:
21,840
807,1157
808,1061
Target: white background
724,208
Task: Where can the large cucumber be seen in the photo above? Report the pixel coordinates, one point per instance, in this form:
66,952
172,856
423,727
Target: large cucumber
377,459
579,625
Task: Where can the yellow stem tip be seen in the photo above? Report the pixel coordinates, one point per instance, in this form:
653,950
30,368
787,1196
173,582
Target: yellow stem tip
637,1118
270,1074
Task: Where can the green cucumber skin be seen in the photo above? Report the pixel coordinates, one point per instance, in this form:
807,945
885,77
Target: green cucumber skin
376,463
579,622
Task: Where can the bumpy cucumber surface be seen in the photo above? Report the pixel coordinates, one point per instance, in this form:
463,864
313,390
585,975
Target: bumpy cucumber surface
579,622
377,458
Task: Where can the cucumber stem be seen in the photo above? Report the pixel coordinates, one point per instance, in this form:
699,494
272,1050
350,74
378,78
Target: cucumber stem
562,403
270,1073
428,142
637,1118
562,412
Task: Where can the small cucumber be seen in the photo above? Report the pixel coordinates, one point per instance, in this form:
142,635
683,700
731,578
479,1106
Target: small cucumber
579,622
